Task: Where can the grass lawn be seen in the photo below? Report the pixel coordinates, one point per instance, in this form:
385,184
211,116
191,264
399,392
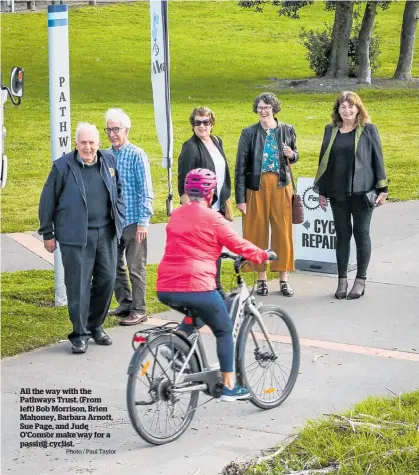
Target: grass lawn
30,320
378,436
221,56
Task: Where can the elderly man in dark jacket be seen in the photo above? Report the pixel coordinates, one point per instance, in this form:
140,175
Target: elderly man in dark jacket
81,207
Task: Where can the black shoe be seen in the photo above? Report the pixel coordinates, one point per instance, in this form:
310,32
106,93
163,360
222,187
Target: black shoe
262,287
358,290
101,338
79,347
342,288
119,312
286,289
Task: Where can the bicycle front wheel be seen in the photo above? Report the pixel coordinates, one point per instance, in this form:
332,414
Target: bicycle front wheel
268,375
158,414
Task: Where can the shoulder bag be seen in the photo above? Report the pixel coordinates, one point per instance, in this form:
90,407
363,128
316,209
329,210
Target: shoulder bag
297,202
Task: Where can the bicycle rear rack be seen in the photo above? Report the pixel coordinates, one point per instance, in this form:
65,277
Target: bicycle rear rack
142,336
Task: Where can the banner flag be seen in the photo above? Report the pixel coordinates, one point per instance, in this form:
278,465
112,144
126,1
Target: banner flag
160,80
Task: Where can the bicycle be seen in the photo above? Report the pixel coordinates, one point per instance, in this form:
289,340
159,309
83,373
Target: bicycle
171,386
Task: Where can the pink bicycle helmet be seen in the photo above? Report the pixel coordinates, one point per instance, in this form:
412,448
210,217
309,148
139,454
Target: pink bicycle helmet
200,182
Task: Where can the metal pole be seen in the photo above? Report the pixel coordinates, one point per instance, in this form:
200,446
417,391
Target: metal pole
3,164
59,93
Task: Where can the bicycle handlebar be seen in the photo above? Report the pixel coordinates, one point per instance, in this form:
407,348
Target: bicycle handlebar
235,257
230,255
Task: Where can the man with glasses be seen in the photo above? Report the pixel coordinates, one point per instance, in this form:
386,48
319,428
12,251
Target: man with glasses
134,169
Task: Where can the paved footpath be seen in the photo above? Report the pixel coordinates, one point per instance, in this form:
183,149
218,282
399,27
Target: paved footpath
350,349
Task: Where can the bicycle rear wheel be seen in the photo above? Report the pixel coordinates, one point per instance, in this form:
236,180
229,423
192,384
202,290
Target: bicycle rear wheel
269,376
157,413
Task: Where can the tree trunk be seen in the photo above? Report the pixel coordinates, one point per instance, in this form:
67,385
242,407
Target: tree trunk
407,41
338,66
364,38
334,52
342,70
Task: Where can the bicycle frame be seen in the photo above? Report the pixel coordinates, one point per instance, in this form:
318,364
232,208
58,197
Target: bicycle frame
243,306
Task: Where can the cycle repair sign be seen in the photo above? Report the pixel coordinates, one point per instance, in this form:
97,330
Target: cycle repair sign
315,238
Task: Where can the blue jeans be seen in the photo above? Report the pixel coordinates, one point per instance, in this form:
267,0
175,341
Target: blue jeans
211,309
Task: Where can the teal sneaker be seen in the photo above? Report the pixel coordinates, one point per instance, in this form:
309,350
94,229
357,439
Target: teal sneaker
238,393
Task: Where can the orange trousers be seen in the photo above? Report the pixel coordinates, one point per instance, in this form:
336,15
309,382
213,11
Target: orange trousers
272,206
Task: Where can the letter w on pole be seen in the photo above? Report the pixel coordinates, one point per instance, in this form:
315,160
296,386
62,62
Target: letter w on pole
160,80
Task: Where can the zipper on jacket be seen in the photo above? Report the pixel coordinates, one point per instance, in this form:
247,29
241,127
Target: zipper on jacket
81,190
109,191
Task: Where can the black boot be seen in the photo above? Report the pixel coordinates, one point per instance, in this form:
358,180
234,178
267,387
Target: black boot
342,288
358,289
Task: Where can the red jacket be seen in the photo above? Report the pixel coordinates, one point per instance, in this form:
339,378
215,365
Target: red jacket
195,237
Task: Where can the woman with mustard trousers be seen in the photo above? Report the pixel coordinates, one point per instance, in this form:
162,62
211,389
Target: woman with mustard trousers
264,190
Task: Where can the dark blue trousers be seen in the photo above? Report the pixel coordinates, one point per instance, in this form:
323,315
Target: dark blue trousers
211,309
89,275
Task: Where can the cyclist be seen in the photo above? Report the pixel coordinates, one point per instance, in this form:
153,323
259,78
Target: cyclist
196,235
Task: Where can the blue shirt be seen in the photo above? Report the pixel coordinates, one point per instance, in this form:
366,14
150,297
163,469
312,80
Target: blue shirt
270,162
137,191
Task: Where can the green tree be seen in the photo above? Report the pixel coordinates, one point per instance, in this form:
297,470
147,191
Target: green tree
340,41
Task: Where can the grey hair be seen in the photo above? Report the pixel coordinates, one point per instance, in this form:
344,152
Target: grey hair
196,198
118,115
81,126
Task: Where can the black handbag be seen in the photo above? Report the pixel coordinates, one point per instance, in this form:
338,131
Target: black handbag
371,198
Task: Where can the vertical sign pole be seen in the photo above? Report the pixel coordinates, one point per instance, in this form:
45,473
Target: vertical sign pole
3,164
59,94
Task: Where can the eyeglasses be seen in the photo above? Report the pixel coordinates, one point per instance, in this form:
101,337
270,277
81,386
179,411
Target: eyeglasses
261,109
205,122
115,130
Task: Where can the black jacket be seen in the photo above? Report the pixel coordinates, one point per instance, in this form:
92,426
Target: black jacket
194,154
63,206
369,170
249,157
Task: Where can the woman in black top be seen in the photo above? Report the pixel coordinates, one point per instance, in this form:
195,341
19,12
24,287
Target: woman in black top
352,176
205,150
